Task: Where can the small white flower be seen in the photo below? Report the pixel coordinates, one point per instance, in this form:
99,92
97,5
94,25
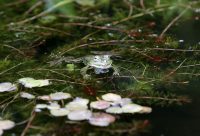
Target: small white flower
27,95
59,112
59,96
79,115
100,104
7,86
111,97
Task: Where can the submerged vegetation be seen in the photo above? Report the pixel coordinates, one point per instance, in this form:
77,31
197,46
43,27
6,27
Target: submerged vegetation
88,48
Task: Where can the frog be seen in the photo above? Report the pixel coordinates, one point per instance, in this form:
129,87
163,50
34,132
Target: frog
100,63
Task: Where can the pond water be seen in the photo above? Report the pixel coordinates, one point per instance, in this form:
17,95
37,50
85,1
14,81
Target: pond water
87,49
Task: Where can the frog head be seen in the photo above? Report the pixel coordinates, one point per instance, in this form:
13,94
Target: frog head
99,61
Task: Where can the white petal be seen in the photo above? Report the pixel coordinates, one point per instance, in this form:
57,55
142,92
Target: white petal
73,106
31,82
41,106
44,97
101,119
6,124
27,95
59,96
53,105
81,101
111,97
100,104
7,86
132,108
1,132
146,109
122,102
114,110
79,115
59,112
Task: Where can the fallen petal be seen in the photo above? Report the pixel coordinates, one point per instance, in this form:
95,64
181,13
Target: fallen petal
132,108
7,86
59,96
41,106
79,115
31,82
114,110
59,112
6,124
44,97
100,104
27,95
53,105
101,119
111,97
1,132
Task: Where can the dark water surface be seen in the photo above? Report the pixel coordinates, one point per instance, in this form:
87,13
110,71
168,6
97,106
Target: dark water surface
183,120
179,121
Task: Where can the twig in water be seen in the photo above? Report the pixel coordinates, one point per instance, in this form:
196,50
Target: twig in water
172,22
142,4
173,71
33,114
11,68
45,12
38,3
